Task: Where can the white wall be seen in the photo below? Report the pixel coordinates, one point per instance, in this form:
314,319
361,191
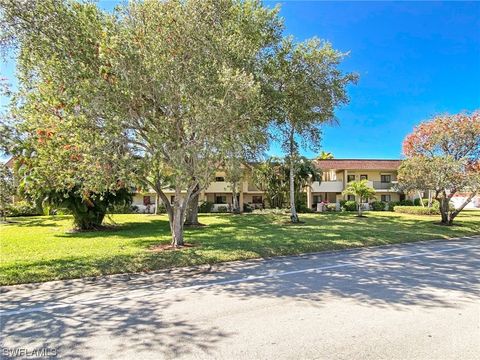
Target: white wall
474,204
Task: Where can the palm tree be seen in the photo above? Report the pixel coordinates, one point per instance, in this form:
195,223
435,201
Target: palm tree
305,171
361,191
325,156
270,177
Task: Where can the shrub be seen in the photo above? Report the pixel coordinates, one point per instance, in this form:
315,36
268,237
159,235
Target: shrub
23,208
275,211
391,205
222,209
303,208
435,203
205,207
300,201
247,208
416,210
162,209
378,205
417,202
350,206
123,209
331,207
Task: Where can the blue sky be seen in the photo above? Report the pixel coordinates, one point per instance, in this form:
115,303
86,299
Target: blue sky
415,59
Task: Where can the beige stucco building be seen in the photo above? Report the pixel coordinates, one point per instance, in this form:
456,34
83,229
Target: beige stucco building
381,175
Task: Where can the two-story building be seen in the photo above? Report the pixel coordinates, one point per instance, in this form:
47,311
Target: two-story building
380,174
337,173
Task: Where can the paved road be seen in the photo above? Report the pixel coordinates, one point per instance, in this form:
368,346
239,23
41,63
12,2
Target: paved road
414,301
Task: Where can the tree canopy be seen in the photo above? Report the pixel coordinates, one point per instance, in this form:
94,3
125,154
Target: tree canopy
443,155
158,86
306,85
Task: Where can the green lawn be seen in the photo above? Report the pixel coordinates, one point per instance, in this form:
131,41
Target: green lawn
41,248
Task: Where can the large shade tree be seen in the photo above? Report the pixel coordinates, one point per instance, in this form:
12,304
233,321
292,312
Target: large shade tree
443,156
306,85
174,82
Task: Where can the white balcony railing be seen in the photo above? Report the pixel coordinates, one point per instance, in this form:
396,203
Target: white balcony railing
327,186
219,187
378,185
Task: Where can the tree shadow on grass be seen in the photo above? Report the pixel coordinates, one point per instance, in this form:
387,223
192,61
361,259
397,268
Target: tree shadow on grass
228,238
47,221
138,314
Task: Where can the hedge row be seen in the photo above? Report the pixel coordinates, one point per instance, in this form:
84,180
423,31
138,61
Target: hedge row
416,210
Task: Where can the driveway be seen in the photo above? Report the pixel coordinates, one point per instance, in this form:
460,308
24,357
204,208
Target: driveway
412,301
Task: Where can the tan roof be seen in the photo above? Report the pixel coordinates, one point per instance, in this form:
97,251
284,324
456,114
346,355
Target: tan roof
358,164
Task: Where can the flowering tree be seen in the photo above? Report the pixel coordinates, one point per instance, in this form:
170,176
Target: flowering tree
443,155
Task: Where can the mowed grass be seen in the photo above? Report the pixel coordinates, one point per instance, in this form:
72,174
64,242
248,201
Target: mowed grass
35,249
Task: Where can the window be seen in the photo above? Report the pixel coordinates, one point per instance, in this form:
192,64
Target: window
172,199
350,178
317,199
219,178
386,198
351,197
220,199
386,178
257,199
147,200
363,177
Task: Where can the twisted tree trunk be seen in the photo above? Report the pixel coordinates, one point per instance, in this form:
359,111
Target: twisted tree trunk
191,218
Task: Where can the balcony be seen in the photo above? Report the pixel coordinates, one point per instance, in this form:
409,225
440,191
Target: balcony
327,186
388,186
252,188
219,187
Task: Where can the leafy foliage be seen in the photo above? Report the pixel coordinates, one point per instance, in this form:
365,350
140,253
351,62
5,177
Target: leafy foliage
7,188
361,191
416,210
378,205
325,156
22,208
159,90
205,207
349,205
306,85
89,210
443,155
272,177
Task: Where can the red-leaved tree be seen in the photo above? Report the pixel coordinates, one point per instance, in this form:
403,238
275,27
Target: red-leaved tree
443,155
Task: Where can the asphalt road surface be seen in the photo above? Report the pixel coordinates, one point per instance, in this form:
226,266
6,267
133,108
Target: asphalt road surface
413,301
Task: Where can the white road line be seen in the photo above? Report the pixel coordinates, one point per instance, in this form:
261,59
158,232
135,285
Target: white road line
142,292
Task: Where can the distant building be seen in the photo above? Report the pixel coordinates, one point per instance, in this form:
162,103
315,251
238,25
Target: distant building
337,173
